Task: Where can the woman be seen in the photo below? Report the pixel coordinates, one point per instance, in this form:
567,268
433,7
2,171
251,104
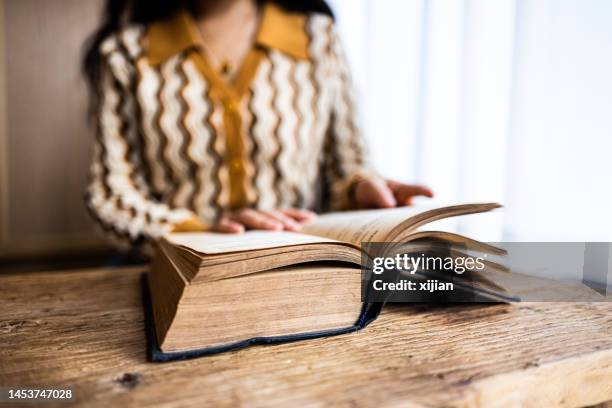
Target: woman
225,115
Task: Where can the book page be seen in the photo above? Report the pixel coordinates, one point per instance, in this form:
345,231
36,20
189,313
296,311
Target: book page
220,243
383,225
355,227
352,227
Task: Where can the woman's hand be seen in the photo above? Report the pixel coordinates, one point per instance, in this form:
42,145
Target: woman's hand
287,219
379,193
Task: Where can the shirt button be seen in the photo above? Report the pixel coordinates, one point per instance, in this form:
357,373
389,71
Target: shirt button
235,165
230,106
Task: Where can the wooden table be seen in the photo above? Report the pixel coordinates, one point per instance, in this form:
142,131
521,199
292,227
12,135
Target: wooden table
84,329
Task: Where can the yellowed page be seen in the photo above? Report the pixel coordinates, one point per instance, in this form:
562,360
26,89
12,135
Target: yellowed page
218,243
355,227
352,227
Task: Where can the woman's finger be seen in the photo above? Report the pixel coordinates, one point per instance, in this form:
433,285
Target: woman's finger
288,223
299,214
418,191
254,219
374,193
226,225
405,192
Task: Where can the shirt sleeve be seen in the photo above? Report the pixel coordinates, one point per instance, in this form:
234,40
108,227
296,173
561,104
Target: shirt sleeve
345,159
117,195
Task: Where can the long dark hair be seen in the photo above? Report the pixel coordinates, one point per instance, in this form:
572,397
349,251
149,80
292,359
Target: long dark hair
118,12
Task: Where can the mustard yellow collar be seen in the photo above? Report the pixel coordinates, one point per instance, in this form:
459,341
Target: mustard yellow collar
278,29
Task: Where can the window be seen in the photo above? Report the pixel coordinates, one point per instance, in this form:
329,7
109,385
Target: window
506,100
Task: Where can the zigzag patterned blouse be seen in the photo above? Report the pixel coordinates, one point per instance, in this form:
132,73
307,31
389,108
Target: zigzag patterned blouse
175,141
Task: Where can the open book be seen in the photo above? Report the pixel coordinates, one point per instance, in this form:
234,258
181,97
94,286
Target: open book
211,292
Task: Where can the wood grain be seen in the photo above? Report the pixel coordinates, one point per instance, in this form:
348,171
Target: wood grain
84,329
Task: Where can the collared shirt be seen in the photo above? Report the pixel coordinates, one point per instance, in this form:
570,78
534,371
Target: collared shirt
176,141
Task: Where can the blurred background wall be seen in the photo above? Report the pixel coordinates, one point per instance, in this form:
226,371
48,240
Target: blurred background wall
44,137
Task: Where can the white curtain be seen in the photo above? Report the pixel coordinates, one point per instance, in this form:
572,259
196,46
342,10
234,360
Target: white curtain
496,100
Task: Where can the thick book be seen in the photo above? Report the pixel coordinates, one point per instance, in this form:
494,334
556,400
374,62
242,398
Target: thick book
212,292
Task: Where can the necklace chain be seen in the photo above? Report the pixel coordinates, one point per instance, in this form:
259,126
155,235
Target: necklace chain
226,67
